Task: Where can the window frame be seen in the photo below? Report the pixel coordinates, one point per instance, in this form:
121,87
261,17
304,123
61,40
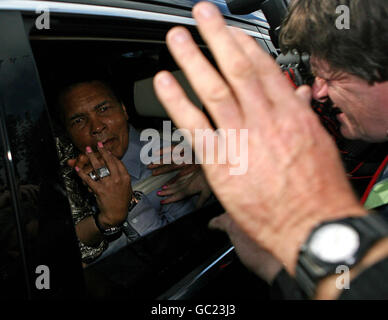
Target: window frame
68,10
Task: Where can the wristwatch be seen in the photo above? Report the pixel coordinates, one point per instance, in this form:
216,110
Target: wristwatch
115,232
336,244
111,233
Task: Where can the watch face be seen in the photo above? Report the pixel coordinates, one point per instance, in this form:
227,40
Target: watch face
335,243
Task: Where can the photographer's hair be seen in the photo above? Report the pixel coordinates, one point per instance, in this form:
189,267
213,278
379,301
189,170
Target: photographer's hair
362,50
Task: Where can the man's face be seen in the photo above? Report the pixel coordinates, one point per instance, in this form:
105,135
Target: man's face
364,107
93,114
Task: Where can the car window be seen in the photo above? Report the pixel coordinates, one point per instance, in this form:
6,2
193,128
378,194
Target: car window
41,250
129,65
126,54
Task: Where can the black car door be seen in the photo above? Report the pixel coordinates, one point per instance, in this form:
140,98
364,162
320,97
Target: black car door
39,252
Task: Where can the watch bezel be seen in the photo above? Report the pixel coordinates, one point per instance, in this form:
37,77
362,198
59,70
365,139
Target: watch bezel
349,261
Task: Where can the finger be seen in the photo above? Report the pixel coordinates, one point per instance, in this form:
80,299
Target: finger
96,163
184,114
231,58
112,163
93,185
210,87
174,198
180,109
168,191
81,162
265,67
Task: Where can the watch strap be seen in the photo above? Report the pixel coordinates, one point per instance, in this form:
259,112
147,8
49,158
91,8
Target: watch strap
109,234
309,271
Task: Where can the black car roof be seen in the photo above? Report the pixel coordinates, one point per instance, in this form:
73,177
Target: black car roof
178,7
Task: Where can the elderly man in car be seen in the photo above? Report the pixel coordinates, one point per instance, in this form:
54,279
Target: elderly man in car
109,165
292,208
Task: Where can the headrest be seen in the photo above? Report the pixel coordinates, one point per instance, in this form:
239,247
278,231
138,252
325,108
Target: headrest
148,105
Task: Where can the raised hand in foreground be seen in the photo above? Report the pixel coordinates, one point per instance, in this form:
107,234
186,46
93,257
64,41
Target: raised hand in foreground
294,176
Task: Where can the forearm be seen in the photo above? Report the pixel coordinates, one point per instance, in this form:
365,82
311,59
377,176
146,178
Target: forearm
88,233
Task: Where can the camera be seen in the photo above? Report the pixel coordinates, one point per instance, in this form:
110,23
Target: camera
274,11
294,64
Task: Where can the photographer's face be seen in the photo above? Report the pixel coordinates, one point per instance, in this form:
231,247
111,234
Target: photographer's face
93,114
364,107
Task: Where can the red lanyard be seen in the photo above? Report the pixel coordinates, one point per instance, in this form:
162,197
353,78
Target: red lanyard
374,179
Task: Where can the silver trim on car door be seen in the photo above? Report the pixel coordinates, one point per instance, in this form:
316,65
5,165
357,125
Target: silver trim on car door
98,10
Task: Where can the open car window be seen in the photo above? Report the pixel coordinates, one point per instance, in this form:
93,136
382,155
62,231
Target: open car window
128,47
41,255
162,255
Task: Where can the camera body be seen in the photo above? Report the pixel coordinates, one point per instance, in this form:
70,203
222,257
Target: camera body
274,11
297,67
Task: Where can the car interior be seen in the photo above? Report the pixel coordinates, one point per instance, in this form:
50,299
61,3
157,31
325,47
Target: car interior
184,259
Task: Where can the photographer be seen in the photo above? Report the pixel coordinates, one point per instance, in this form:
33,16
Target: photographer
295,180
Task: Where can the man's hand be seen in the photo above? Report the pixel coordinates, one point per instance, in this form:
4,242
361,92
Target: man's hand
113,193
295,178
256,259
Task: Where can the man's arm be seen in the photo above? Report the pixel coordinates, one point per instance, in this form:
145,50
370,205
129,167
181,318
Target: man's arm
294,178
88,233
